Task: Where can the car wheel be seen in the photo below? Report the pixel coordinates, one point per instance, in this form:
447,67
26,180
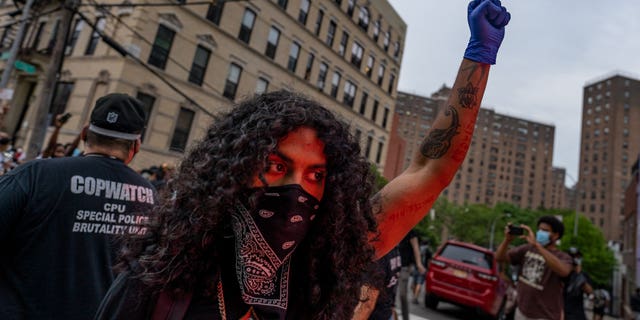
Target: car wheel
431,301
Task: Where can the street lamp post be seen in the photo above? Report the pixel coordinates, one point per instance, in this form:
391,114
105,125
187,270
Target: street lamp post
493,228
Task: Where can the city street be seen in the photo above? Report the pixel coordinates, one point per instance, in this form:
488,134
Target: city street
445,311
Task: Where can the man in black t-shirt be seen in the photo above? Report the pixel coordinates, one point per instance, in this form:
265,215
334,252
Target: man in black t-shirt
577,284
60,218
410,256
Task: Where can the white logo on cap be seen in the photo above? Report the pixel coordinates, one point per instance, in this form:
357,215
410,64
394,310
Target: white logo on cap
112,117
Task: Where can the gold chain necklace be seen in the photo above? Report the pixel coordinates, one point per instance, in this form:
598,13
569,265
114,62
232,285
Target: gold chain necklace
223,311
251,315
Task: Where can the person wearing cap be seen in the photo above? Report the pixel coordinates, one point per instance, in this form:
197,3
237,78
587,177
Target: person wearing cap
60,218
577,284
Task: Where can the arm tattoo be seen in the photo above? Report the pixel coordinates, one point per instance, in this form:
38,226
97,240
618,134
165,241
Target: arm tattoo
439,140
467,96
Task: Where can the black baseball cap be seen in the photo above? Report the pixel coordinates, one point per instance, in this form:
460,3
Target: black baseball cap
118,115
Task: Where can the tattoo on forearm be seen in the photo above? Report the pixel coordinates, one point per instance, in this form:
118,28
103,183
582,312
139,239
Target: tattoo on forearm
412,209
467,96
438,142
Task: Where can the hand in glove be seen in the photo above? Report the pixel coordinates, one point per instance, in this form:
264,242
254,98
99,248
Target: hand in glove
487,19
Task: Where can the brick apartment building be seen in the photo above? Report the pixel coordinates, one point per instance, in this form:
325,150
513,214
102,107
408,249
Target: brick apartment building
345,54
509,160
609,142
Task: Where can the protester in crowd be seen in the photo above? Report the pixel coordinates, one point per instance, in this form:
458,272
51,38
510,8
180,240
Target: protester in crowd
577,285
59,218
380,304
55,149
411,263
419,277
601,301
271,214
542,269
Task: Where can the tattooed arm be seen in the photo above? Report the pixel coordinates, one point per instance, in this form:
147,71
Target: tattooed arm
408,197
404,201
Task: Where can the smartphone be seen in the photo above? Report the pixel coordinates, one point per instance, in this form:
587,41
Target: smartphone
65,117
516,231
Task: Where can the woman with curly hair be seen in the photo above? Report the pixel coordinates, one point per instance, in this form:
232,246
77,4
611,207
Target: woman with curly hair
271,215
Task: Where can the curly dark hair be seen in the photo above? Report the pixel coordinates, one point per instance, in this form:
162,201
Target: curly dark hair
185,231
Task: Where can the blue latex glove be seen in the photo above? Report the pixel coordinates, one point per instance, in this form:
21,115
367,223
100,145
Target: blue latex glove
487,19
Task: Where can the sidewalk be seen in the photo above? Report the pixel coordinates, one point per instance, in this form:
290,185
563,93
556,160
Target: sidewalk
606,317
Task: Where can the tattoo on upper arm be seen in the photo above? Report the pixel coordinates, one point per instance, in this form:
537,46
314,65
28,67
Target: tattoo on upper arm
438,142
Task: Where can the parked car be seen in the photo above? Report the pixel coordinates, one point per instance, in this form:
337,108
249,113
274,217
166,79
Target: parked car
466,275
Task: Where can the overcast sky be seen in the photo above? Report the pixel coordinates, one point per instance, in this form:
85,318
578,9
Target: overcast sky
551,49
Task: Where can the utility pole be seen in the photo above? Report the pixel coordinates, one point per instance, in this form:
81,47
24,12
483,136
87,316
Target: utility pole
52,74
17,42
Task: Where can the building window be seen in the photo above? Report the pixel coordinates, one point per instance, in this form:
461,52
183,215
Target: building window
248,20
392,79
95,37
322,75
343,43
54,36
349,93
376,30
356,54
335,82
233,78
61,97
374,111
147,105
199,65
350,7
294,53
363,103
214,13
74,36
181,132
364,18
283,4
5,40
387,37
36,38
369,68
381,70
304,11
367,149
319,22
331,33
272,42
396,49
385,117
161,47
262,85
379,152
307,69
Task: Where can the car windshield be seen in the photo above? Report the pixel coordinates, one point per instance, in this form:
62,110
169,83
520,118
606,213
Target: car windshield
467,256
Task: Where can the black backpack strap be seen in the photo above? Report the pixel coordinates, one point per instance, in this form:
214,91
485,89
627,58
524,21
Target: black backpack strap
171,308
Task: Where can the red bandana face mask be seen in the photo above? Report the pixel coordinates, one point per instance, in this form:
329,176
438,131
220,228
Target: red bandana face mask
265,240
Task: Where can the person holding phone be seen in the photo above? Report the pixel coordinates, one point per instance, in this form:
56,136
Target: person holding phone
542,268
55,149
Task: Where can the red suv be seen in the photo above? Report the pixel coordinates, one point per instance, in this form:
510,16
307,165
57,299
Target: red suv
467,275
